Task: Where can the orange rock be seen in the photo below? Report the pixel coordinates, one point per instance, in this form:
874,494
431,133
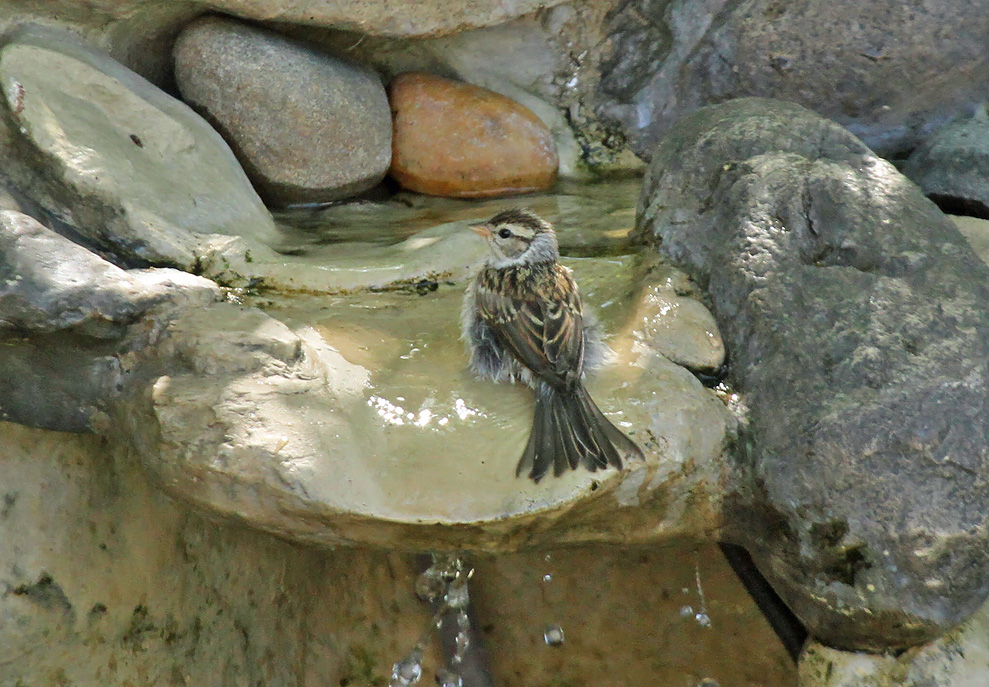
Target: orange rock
455,139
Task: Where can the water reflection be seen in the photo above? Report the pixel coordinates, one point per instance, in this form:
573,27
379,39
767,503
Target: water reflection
588,217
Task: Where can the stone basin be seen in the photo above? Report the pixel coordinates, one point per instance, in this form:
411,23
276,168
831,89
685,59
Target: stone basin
352,418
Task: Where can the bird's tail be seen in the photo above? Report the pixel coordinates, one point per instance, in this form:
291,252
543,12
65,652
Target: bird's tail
569,430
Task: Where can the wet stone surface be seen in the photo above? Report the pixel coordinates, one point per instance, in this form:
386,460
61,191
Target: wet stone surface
357,417
353,418
856,326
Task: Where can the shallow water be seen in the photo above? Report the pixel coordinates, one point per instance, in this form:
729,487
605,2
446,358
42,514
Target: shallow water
420,412
589,218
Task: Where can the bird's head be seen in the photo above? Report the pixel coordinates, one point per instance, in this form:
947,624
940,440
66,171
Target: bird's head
518,236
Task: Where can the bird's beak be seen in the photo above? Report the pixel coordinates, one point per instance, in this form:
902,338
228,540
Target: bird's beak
481,230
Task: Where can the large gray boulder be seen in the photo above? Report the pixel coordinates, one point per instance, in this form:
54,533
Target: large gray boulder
307,127
854,316
952,167
891,72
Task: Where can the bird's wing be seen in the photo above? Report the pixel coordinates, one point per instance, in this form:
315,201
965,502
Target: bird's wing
545,333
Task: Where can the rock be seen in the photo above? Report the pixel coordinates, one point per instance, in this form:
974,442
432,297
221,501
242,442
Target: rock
952,167
308,128
685,331
959,658
544,61
293,422
854,317
522,60
58,382
454,139
127,586
844,60
48,283
130,169
977,232
136,33
64,316
629,617
384,18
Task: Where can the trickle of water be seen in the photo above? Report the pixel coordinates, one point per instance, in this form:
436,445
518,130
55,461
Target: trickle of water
553,635
463,643
407,671
430,585
457,595
449,678
703,619
444,584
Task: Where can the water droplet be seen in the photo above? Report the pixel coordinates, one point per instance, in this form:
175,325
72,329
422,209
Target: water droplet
686,611
708,682
457,596
547,578
553,634
703,619
448,678
407,671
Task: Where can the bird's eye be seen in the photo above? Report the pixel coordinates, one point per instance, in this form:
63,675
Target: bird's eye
504,233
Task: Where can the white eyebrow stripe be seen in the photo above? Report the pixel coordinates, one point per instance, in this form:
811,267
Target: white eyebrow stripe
520,231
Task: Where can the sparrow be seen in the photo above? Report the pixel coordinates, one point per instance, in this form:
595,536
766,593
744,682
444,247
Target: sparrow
523,321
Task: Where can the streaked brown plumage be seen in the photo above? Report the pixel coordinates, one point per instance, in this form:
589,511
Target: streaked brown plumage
524,321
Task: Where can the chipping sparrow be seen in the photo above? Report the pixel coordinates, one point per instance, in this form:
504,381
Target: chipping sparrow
524,321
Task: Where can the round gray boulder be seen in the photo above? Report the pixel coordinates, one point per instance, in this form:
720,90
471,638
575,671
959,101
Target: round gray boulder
307,127
854,316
